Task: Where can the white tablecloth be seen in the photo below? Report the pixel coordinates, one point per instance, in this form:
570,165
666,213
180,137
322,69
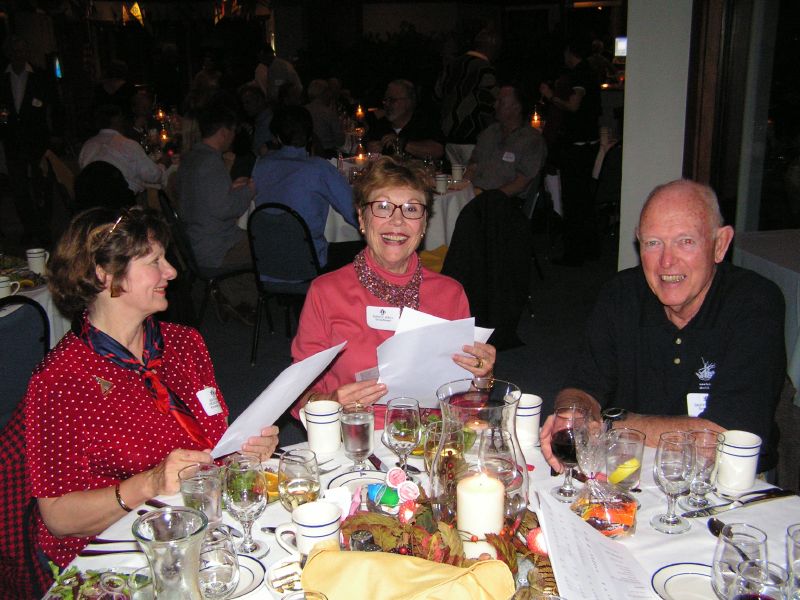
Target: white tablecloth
59,324
446,208
776,256
651,549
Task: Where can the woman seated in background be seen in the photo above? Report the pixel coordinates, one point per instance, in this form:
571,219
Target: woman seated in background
123,402
393,201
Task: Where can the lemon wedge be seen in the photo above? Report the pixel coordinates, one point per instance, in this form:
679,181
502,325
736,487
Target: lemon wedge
624,470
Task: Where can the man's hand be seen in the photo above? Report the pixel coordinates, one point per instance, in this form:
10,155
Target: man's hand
545,435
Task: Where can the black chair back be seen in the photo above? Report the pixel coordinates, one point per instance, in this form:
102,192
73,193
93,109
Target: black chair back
26,335
102,184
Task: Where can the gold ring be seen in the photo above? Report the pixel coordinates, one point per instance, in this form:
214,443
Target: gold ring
479,364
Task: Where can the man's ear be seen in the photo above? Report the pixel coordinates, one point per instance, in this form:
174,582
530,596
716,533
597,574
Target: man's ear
722,241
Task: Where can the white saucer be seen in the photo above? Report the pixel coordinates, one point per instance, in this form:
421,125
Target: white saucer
353,479
251,575
683,581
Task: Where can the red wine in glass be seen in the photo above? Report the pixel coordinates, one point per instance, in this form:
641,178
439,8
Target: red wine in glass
562,443
563,446
753,596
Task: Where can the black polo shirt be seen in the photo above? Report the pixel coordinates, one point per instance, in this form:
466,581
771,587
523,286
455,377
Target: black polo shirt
733,350
419,128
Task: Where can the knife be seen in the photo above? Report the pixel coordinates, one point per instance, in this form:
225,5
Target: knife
715,510
377,463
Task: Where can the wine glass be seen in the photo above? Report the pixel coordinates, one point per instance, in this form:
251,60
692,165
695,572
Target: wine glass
706,446
219,566
759,580
358,425
562,443
737,542
246,498
298,478
673,472
402,430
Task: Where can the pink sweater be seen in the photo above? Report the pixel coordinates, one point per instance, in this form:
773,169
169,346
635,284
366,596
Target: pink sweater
335,311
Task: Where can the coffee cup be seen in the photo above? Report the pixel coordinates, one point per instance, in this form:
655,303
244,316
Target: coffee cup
529,410
457,171
8,287
737,461
311,523
321,420
37,259
441,184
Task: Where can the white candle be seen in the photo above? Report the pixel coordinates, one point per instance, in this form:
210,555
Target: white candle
480,502
477,425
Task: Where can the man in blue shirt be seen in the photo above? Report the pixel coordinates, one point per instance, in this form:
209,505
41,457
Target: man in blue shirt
307,184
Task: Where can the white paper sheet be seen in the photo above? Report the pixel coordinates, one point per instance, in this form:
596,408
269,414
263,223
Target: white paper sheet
585,562
273,401
412,319
415,363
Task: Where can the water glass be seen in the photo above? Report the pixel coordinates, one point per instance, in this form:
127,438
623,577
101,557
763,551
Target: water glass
758,580
793,556
140,584
402,427
246,498
358,426
201,488
219,566
298,478
624,450
737,542
673,472
707,444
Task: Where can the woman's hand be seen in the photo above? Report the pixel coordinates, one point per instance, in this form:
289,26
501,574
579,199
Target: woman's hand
164,476
480,361
364,392
264,445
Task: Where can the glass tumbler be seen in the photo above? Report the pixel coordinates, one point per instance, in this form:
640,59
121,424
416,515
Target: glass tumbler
737,542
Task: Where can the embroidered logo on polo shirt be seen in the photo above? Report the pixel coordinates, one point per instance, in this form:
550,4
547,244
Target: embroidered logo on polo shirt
706,372
105,386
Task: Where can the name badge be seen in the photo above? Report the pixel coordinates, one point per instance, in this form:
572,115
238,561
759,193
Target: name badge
695,404
509,157
383,317
208,398
37,103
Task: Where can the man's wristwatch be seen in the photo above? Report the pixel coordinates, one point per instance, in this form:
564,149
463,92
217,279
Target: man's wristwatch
613,415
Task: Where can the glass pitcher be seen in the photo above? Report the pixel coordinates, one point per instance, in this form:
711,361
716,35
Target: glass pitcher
171,538
470,407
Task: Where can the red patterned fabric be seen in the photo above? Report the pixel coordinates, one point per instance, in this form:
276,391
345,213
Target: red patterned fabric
21,574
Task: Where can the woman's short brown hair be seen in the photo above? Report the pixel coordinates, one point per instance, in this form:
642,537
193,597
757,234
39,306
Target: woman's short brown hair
389,171
100,237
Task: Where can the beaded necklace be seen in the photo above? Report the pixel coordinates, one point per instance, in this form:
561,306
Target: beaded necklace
393,294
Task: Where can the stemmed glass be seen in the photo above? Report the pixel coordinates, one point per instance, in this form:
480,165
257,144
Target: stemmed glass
298,478
246,498
219,566
673,472
706,445
358,425
402,430
562,442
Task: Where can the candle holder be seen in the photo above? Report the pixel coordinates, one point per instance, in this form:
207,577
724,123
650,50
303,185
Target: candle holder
482,412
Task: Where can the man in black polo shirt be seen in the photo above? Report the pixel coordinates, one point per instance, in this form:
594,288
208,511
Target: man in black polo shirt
685,341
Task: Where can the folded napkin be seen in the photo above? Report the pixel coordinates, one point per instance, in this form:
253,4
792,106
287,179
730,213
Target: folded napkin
347,575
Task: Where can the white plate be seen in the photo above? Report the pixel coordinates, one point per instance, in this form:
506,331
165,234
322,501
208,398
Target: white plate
352,479
251,576
683,581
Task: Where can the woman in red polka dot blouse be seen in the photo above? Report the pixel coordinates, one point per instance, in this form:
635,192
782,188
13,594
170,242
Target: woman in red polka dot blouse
123,402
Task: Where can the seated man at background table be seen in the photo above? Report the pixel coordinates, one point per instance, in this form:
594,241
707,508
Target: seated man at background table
509,153
308,184
403,128
684,341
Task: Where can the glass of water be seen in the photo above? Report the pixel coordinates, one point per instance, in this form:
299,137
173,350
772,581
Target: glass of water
358,425
219,566
201,488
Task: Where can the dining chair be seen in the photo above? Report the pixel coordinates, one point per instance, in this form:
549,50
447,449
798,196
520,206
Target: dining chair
209,276
102,184
25,332
284,259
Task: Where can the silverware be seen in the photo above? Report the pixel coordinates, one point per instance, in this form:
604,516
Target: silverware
329,469
106,541
88,552
377,463
268,529
156,503
409,468
734,504
715,527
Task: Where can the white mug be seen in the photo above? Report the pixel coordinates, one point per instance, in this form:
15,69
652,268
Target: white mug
529,411
312,523
457,172
321,420
8,287
37,259
737,461
441,184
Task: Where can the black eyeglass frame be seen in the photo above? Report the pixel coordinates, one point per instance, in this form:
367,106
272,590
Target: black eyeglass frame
401,207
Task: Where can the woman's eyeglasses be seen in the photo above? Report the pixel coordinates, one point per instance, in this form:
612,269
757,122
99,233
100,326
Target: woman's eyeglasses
385,209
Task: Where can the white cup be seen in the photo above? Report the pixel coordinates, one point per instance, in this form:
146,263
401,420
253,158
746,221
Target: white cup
457,172
529,410
737,461
321,420
8,287
312,523
37,259
441,184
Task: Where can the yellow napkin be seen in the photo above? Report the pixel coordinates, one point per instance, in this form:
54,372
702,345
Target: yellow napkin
349,575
